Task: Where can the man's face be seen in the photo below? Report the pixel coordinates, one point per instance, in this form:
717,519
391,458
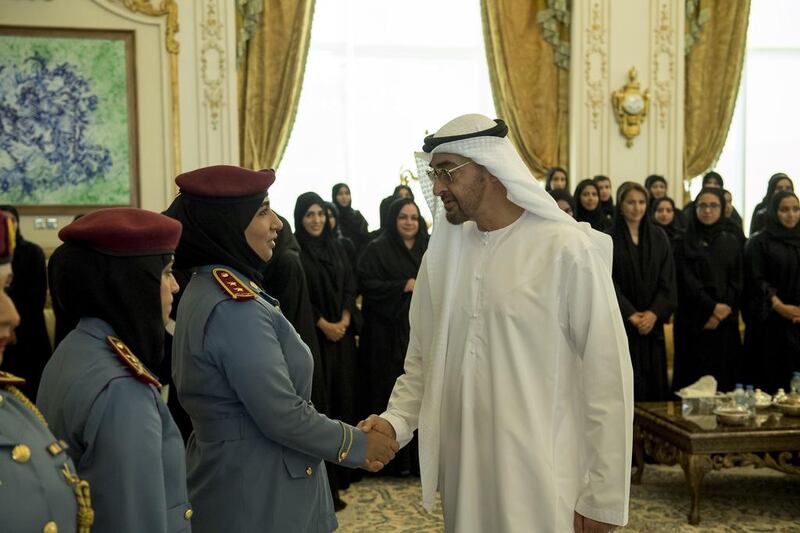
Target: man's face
462,196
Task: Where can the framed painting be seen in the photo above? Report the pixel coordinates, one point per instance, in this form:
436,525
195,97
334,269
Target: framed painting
68,132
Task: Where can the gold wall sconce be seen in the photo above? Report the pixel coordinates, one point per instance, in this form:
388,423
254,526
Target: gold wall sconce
630,107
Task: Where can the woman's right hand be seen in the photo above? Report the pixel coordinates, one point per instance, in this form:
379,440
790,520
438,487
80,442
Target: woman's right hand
333,332
380,450
722,311
410,284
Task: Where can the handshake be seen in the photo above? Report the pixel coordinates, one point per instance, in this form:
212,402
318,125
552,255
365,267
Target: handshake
381,442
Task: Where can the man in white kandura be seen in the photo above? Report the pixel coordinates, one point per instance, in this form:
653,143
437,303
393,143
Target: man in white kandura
517,371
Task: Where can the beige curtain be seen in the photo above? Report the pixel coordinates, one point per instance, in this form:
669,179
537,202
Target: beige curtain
713,71
270,80
530,92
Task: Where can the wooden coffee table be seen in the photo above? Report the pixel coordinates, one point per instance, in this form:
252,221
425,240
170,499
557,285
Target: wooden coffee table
700,444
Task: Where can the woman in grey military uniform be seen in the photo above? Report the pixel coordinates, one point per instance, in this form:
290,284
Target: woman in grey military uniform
243,374
39,489
114,272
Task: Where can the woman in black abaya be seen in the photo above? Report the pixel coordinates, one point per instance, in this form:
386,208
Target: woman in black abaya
644,278
387,273
28,355
351,222
664,215
777,182
332,290
709,273
556,179
772,274
587,202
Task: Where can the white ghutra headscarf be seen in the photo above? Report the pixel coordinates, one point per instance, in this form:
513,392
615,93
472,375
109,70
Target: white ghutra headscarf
501,159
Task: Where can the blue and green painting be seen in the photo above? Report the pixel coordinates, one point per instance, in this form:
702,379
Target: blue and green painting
64,117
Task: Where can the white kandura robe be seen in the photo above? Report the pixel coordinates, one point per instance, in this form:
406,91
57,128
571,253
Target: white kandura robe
536,399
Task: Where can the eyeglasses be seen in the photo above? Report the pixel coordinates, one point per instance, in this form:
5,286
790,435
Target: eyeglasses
444,175
712,207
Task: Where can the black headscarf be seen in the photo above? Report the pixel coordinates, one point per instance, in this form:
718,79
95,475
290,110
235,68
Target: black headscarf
606,206
698,235
651,180
399,188
765,202
549,177
326,259
213,232
639,265
391,234
774,228
331,206
596,218
562,194
672,230
351,222
713,176
123,291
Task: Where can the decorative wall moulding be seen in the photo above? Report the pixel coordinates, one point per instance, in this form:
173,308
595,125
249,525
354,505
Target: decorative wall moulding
212,63
595,65
663,64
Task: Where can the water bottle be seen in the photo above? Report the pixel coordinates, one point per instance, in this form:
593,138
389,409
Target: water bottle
738,395
750,400
795,384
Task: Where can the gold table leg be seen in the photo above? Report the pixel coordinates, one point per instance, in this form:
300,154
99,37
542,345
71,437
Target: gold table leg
695,467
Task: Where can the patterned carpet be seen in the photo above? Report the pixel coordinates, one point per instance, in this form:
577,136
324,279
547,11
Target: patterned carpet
741,500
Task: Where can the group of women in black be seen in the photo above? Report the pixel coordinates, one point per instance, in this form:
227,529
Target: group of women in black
318,272
695,266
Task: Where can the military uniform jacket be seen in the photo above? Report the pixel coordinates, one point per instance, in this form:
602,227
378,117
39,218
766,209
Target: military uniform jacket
244,376
120,434
34,492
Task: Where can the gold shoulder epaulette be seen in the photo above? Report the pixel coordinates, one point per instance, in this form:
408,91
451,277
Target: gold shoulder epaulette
132,362
10,379
233,286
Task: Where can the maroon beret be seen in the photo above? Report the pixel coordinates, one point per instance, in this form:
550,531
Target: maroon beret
225,181
8,237
124,231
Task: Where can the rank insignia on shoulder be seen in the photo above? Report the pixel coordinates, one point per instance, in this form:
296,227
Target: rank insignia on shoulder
10,379
132,362
233,286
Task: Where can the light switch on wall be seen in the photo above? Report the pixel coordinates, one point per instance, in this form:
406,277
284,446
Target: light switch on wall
38,223
52,223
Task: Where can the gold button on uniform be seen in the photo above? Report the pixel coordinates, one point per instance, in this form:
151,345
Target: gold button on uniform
309,471
50,527
188,514
2,399
21,453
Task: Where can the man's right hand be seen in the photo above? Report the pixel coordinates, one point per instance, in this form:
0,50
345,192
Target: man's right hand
380,450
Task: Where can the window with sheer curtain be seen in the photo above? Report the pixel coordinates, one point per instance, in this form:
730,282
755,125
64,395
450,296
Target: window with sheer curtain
379,75
765,131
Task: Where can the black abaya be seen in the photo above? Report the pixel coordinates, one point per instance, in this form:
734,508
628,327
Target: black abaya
709,271
644,278
383,272
26,358
332,290
772,268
